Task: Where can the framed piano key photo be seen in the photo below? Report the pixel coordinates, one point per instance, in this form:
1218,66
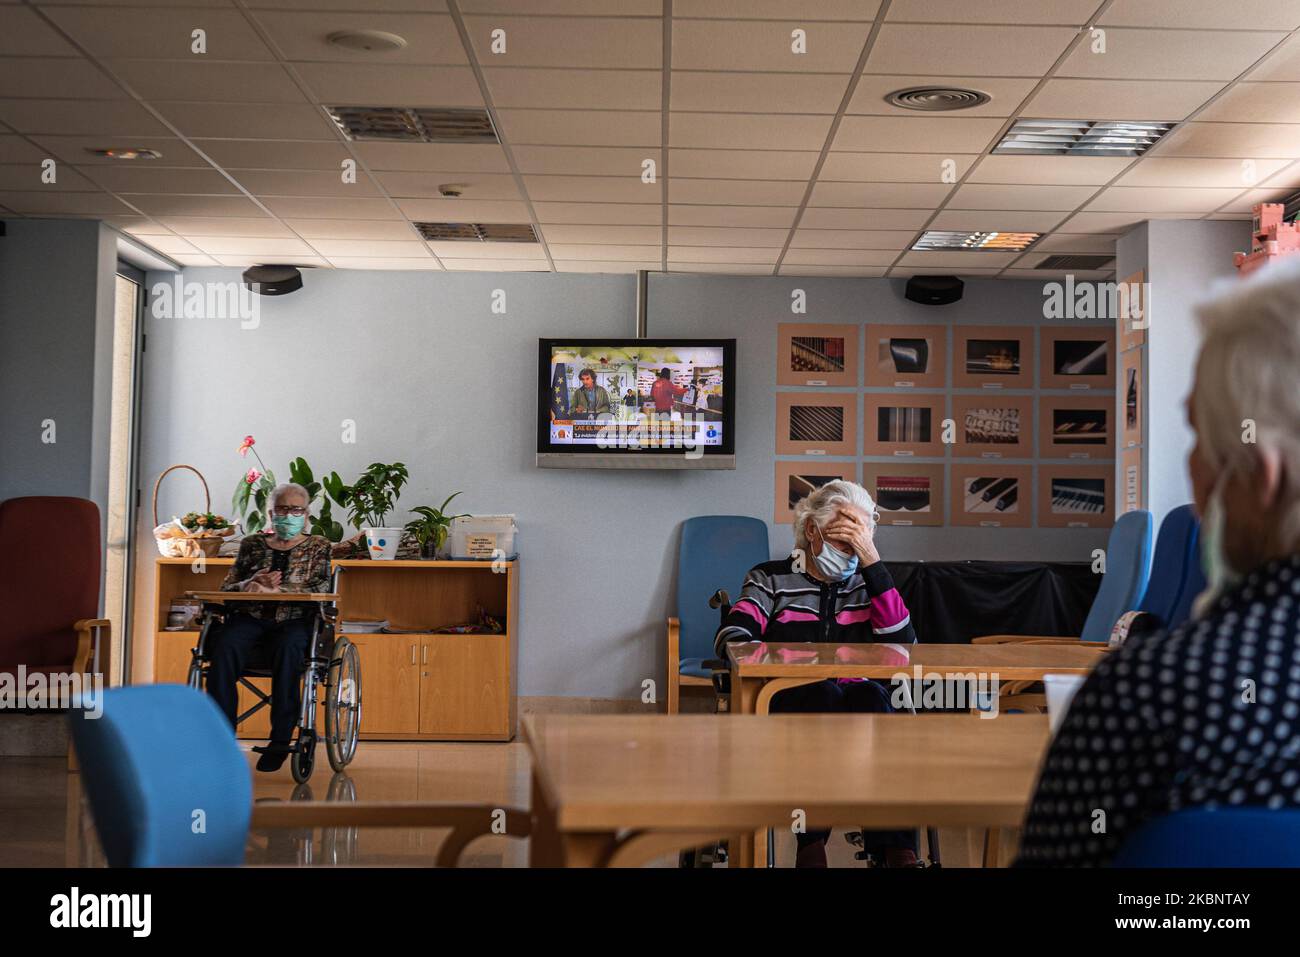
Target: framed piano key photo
992,495
993,426
794,480
907,357
1076,427
817,423
1076,496
993,357
817,354
905,494
903,425
1077,357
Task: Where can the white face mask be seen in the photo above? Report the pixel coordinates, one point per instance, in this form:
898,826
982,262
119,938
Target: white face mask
834,564
1220,576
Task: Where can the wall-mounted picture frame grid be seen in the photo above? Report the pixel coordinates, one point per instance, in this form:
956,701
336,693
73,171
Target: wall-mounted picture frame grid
906,357
993,357
906,494
1076,357
992,495
1132,393
817,423
1076,427
993,426
903,424
1076,496
795,480
816,354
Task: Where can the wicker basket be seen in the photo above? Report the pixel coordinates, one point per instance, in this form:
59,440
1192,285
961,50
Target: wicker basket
184,546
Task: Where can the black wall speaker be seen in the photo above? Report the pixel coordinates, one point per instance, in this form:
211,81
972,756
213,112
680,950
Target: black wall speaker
934,290
273,280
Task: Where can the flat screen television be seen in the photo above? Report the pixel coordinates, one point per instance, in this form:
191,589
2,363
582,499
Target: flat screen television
636,403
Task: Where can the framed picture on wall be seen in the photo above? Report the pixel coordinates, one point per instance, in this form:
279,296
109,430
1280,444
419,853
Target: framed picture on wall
907,356
817,423
905,494
1076,427
1133,493
903,424
1131,310
812,354
1079,357
993,357
795,480
993,426
992,495
1132,391
1075,496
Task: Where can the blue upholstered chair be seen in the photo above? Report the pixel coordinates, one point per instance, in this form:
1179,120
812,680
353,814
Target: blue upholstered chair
1222,837
716,552
1176,576
168,786
167,783
1123,587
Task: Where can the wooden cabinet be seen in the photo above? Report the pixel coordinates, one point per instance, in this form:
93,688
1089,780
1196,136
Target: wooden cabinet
417,685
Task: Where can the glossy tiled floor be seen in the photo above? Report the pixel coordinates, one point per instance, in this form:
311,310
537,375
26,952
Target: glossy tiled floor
42,825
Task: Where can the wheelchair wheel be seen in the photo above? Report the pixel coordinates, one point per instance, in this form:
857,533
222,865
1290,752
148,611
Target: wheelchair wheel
304,759
343,704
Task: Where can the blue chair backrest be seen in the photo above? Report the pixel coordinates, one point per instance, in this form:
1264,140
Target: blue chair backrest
167,783
1195,583
1176,557
1128,567
716,552
1223,837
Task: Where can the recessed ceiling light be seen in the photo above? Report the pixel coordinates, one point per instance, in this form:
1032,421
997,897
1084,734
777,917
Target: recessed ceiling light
1081,137
125,153
415,124
976,241
367,41
936,99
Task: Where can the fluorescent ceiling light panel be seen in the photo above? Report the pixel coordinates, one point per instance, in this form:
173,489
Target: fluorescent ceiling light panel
1081,138
993,241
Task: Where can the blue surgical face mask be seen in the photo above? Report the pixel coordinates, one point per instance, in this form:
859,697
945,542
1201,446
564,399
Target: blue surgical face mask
288,526
834,564
1220,576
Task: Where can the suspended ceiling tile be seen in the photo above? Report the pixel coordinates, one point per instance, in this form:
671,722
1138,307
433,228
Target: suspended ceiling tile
274,154
767,45
1070,12
80,118
1256,103
721,269
754,216
750,92
1240,140
464,210
777,9
990,196
723,236
197,79
865,272
35,176
1169,54
495,265
864,218
333,207
396,84
1173,171
1087,243
1282,64
1015,221
964,50
268,182
583,160
496,252
877,239
56,77
604,265
430,38
474,186
747,131
279,121
840,257
579,42
16,149
39,202
959,260
1119,222
433,157
26,34
893,167
369,262
160,33
596,234
879,195
729,254
253,227
244,261
749,192
357,229
631,214
575,89
1119,99
581,127
597,189
916,134
577,8
1048,170
1245,202
1204,14
609,251
142,176
742,164
162,205
377,249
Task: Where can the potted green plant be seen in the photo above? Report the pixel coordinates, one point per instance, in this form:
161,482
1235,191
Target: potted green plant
430,529
370,500
251,500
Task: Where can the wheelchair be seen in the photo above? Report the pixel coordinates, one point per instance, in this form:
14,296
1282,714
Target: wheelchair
332,665
720,673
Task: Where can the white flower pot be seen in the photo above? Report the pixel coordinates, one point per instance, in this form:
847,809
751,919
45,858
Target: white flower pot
382,543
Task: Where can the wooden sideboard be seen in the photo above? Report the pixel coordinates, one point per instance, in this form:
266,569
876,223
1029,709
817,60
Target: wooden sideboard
417,686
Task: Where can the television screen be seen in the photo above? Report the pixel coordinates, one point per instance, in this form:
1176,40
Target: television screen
620,400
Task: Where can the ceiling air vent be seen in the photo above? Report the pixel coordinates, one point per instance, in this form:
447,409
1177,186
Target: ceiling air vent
414,124
936,99
1081,138
478,232
1075,262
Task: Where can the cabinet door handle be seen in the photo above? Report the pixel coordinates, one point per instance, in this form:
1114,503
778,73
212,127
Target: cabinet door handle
412,654
424,655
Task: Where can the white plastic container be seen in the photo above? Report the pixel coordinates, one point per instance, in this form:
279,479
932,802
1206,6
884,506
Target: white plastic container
482,537
1060,692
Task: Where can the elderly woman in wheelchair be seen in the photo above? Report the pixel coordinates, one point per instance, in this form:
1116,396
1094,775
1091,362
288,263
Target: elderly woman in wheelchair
833,588
282,640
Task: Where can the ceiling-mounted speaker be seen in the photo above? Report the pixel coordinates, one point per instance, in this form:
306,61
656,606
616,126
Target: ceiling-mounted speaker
273,280
934,290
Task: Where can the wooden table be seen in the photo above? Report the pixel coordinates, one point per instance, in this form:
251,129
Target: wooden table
621,790
220,597
758,671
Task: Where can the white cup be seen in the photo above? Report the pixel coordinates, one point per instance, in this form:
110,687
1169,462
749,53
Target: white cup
1060,692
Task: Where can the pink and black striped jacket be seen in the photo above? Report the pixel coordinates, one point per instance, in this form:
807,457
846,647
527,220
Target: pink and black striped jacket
780,604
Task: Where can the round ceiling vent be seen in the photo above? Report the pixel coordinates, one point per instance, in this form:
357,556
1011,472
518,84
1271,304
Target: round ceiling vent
937,99
367,41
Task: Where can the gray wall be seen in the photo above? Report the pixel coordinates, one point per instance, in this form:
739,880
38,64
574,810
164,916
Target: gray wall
1185,260
55,336
432,377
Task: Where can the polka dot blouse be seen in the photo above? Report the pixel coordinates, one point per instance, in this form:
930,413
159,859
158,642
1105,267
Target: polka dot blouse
1205,715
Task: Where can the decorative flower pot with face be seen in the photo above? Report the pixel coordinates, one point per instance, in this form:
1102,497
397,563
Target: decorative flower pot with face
382,543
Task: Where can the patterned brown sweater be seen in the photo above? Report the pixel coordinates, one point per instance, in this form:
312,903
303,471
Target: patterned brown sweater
303,568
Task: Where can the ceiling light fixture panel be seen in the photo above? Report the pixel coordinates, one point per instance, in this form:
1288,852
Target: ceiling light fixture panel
1081,137
415,124
981,241
477,232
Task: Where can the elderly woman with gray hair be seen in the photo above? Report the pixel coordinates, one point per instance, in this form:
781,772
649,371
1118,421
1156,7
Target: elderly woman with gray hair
288,560
1208,714
832,588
